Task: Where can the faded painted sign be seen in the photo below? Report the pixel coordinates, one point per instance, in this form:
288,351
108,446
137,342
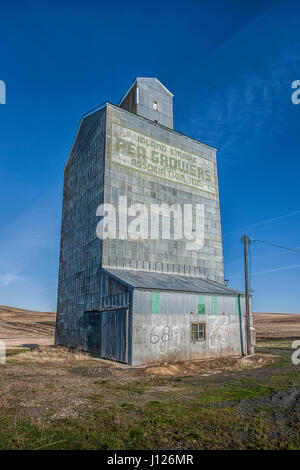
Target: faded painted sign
152,157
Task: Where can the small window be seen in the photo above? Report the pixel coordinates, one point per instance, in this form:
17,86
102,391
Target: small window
197,331
155,105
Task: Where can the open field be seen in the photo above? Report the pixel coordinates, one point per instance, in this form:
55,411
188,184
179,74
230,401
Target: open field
276,325
54,399
21,328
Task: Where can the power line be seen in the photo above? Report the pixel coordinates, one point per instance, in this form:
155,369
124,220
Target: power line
251,240
273,244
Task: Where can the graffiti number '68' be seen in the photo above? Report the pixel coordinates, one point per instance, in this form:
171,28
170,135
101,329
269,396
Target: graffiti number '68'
163,336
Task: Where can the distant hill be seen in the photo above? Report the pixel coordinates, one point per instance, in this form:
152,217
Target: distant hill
272,313
276,325
21,328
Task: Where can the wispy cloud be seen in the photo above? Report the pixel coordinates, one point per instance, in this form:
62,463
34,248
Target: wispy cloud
284,268
245,96
9,278
262,222
265,271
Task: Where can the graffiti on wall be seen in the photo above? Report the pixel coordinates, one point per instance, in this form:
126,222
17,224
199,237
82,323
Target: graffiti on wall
166,337
222,332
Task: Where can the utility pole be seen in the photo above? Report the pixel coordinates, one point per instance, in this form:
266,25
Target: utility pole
245,241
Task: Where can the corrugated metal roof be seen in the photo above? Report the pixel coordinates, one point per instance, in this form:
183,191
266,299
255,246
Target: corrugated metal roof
173,282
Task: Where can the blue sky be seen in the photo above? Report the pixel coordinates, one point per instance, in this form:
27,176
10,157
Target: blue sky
230,65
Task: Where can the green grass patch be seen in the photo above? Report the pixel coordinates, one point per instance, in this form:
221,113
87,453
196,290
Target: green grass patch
152,425
128,405
231,393
15,352
97,397
275,344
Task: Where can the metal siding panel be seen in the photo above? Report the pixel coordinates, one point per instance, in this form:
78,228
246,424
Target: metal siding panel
155,302
114,335
214,305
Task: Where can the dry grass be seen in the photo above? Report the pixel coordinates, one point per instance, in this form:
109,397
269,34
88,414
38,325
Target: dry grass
210,366
51,355
275,343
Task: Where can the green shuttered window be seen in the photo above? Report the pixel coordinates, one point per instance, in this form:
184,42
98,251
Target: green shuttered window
201,304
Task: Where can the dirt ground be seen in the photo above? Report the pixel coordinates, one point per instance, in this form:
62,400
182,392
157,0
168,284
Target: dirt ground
54,399
21,328
276,325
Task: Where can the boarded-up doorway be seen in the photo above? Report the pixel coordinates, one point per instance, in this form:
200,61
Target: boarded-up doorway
114,335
